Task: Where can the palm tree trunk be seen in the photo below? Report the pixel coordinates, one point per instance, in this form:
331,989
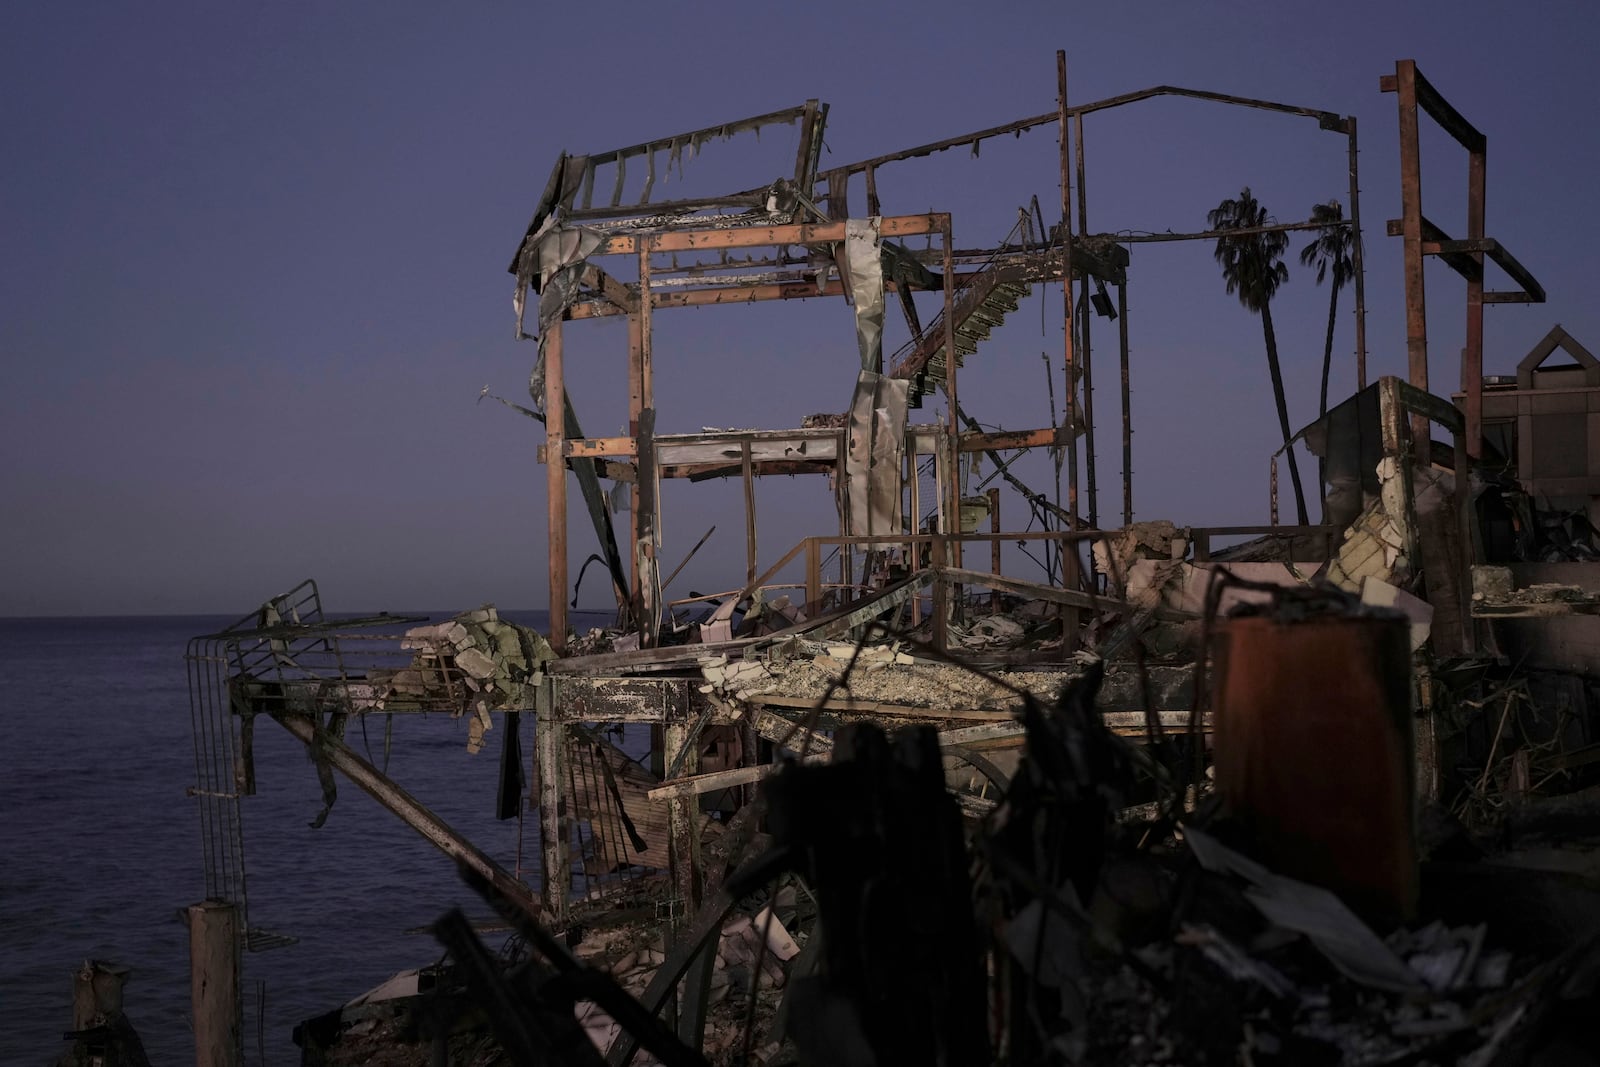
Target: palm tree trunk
1322,404
1327,348
1283,411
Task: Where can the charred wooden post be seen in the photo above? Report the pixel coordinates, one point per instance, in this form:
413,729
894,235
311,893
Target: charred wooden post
550,755
215,937
101,1034
96,992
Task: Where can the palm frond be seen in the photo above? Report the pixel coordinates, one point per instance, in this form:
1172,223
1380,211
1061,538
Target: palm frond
1251,267
1331,251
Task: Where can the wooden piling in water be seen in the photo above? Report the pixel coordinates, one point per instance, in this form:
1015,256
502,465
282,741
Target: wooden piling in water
214,940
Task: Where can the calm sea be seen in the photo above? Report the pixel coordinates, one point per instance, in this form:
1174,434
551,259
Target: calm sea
100,849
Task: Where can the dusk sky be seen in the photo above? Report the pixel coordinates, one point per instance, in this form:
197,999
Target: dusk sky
254,267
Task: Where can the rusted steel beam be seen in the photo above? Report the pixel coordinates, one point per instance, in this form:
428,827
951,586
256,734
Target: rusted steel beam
1431,407
805,154
1472,353
1004,439
599,446
620,295
1438,108
699,472
1025,268
1018,127
1459,256
1207,235
952,363
752,199
1517,273
797,233
1435,242
636,326
555,399
1329,120
1069,368
772,118
1405,87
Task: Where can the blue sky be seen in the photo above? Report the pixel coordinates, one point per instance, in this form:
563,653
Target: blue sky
254,267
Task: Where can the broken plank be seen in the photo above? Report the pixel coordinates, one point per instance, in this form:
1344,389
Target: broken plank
696,784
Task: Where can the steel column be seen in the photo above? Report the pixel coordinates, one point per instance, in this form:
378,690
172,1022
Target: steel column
555,406
1411,231
1066,292
1127,406
1472,358
1087,355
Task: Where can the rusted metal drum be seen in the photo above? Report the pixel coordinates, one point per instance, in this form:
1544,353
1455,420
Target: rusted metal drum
1314,750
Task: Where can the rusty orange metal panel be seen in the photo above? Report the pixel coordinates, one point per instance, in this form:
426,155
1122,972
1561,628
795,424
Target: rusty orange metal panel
1314,751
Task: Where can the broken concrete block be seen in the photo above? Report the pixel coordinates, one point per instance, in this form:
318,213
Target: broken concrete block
711,632
475,663
779,944
1379,593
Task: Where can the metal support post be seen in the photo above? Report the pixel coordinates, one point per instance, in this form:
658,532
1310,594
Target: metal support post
555,405
1127,405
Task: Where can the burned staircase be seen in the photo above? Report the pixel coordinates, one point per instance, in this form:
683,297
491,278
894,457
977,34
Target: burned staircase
979,306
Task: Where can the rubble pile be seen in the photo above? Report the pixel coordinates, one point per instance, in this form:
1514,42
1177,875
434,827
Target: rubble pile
490,659
811,670
398,1024
741,962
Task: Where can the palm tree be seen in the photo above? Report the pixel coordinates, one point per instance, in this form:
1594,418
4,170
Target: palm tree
1330,252
1252,267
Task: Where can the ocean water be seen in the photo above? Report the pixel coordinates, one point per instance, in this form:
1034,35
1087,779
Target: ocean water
100,848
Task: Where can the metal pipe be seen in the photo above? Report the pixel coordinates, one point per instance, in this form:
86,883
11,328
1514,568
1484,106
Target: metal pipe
950,360
1472,356
1066,294
1127,408
1411,223
1088,349
387,792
